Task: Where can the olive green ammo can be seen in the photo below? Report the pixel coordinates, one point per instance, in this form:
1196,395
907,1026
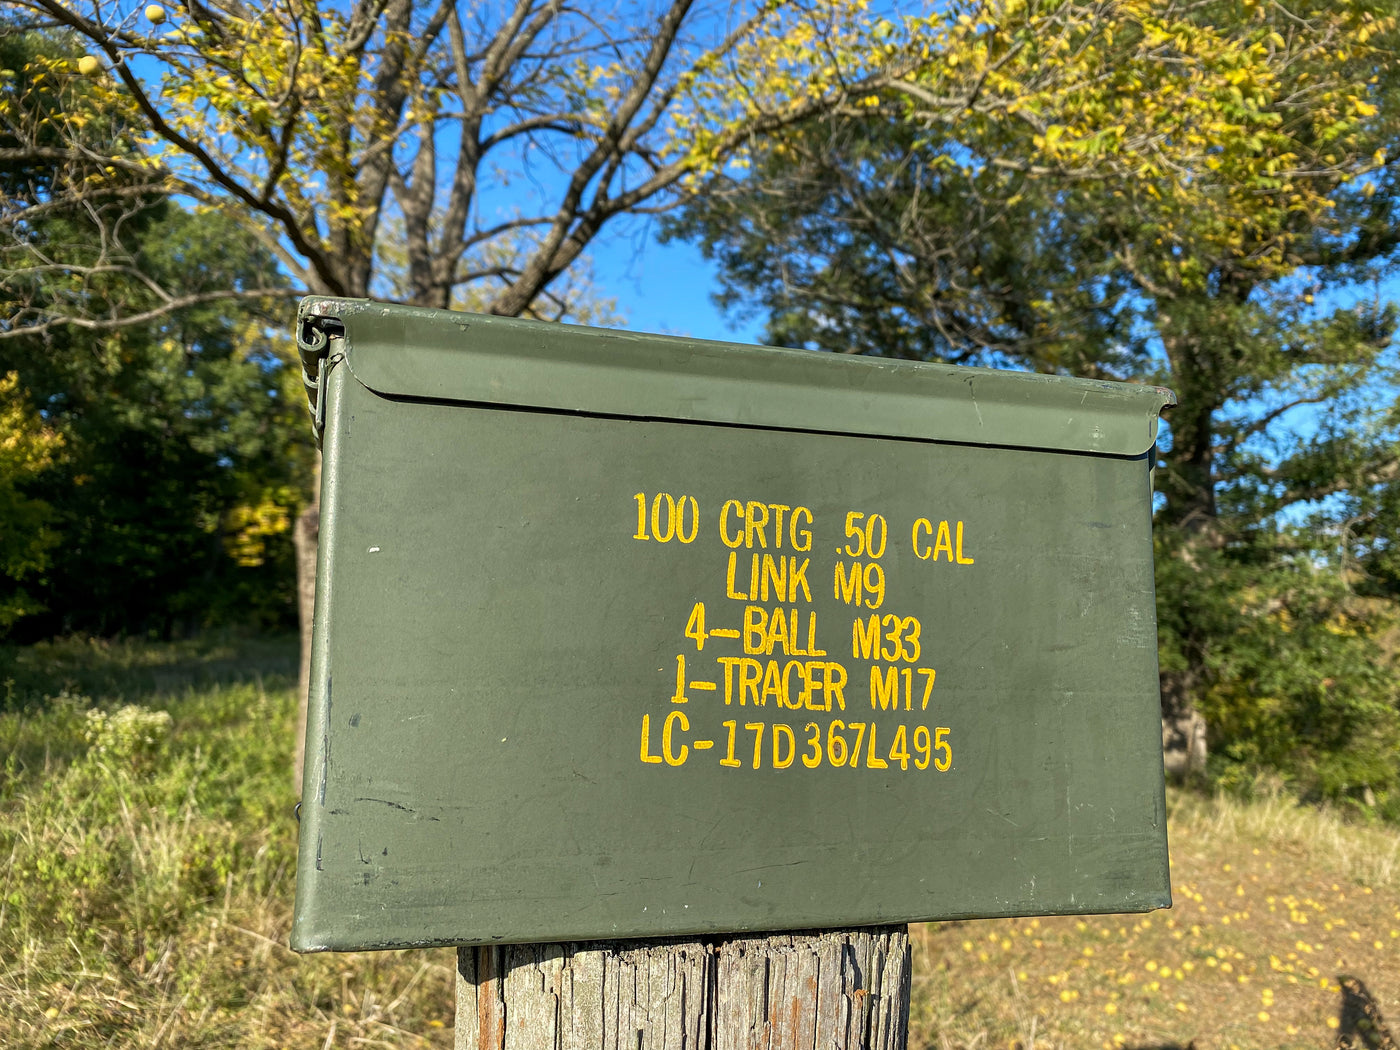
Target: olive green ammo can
624,636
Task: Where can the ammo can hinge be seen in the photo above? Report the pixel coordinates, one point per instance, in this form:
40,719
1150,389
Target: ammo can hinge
313,346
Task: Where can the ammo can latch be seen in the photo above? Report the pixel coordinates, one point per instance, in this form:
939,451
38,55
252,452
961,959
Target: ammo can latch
313,346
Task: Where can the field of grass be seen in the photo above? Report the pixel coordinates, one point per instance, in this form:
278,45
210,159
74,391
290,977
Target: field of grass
1275,906
145,895
146,891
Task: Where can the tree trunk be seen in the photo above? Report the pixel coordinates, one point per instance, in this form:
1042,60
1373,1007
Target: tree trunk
793,991
305,535
1184,747
1192,515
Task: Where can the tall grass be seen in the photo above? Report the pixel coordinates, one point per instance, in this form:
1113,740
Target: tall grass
1367,852
146,818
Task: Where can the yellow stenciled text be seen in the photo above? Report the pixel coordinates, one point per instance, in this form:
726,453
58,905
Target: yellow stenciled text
813,685
751,524
837,744
932,543
766,631
672,754
782,578
860,584
885,683
889,637
672,517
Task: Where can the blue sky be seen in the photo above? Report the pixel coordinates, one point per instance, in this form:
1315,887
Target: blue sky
663,288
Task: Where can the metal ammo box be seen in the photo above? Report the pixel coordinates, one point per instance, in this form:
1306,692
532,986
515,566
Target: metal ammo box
628,636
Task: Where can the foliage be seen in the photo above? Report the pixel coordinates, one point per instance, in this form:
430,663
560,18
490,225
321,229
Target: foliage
1198,130
184,455
27,449
1204,205
182,441
131,735
338,134
1294,672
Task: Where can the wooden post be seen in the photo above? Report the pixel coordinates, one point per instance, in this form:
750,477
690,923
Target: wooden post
834,989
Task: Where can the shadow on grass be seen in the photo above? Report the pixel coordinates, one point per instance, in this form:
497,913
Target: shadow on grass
122,670
1362,1026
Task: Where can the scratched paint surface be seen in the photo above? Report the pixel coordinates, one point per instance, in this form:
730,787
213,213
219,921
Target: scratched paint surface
585,676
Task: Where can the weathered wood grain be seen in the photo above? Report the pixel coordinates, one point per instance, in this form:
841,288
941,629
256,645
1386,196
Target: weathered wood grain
831,990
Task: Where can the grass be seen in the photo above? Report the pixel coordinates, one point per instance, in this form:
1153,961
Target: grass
146,893
1275,904
148,844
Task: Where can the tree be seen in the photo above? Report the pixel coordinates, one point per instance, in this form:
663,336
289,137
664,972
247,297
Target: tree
181,447
1220,266
184,452
319,128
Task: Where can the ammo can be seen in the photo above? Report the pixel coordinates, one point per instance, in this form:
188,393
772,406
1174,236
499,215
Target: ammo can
624,636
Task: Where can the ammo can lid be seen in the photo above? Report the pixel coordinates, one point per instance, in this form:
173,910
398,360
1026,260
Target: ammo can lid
441,355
